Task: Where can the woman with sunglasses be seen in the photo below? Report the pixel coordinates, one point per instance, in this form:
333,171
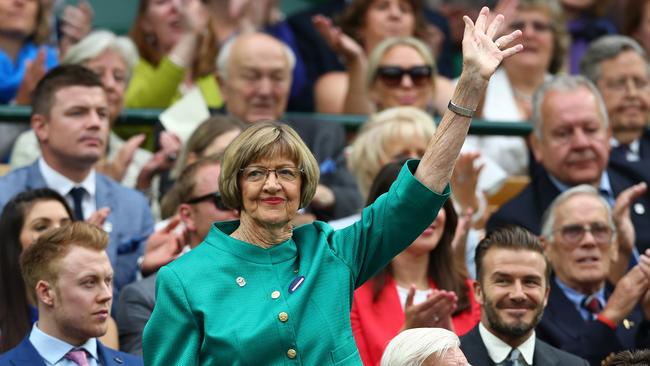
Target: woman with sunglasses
364,25
509,94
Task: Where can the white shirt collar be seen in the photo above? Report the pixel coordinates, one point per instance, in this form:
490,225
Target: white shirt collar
53,349
499,350
62,184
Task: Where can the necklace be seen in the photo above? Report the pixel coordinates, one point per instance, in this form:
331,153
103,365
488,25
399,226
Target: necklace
524,97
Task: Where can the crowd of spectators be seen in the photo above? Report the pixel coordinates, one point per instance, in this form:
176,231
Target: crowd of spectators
558,273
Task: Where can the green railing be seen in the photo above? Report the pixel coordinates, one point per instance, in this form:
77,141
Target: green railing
148,117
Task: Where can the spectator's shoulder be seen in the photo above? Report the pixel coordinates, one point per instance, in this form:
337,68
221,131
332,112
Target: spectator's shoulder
113,357
126,193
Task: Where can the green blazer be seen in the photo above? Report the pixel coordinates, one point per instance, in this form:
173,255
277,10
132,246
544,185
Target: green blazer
228,302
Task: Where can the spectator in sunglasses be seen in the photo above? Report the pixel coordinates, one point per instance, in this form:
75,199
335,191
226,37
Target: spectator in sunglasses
586,315
198,191
509,94
364,25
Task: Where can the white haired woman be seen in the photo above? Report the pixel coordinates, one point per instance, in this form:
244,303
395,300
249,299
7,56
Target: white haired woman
424,347
258,290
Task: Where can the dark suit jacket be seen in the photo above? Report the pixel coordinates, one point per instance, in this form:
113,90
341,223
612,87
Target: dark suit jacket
133,312
545,355
24,354
130,219
563,327
526,209
639,169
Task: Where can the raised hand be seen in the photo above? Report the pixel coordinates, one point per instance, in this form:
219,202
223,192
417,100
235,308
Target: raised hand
464,180
194,15
163,246
98,218
434,312
77,22
481,53
341,43
117,167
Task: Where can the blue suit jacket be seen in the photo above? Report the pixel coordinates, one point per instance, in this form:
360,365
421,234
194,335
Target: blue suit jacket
130,217
563,327
526,209
24,354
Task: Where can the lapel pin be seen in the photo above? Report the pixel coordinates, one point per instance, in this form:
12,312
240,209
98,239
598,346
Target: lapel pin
241,281
639,209
628,323
297,282
118,359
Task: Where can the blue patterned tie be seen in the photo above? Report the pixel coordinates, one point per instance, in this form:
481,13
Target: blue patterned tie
513,358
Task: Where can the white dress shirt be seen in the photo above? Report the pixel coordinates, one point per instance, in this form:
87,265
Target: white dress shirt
63,185
499,350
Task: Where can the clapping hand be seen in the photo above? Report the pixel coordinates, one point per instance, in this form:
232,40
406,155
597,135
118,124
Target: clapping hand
435,311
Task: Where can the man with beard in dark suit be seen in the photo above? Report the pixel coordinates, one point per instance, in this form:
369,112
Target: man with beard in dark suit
512,288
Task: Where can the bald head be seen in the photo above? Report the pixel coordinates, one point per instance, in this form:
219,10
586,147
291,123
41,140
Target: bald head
255,76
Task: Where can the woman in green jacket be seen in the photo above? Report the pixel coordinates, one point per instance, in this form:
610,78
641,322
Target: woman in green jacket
259,291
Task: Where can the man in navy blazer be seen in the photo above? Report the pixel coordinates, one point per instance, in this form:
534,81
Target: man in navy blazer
584,315
255,79
512,289
70,118
571,140
70,277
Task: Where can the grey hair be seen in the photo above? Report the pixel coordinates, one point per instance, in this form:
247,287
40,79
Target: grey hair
564,83
413,346
605,48
384,46
98,41
549,218
224,55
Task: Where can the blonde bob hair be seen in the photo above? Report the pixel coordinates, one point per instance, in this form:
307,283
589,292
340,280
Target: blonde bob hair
266,140
369,154
383,47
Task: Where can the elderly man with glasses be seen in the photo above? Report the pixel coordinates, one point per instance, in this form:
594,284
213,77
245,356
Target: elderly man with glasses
585,314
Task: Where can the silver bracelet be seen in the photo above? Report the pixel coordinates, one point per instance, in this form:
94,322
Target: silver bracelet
461,111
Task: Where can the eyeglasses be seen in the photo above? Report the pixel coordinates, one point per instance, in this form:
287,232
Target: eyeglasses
574,233
214,197
538,26
392,75
622,85
258,174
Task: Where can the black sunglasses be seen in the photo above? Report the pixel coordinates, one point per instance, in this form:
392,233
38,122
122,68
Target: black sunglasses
392,75
215,197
